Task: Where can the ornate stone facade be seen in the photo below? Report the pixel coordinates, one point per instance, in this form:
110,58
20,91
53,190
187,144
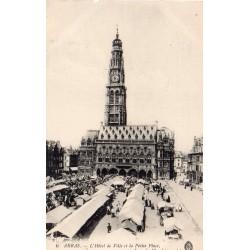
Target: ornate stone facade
195,161
118,148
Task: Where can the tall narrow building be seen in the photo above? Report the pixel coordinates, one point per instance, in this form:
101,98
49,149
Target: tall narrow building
115,110
128,150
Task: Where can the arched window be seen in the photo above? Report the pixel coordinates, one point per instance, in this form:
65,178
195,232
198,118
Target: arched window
88,142
111,96
116,96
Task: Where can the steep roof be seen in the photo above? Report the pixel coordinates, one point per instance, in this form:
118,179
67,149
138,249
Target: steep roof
134,132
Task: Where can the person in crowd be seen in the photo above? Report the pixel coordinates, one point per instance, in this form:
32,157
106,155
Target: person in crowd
117,209
112,212
158,192
109,228
108,209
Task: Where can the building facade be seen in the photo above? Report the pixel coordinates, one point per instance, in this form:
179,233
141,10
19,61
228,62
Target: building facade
184,164
178,161
87,153
54,158
118,148
195,161
71,158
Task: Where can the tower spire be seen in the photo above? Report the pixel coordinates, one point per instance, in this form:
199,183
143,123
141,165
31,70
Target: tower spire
117,32
115,109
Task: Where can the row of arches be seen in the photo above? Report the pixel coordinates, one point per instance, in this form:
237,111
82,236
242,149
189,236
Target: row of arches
120,149
131,172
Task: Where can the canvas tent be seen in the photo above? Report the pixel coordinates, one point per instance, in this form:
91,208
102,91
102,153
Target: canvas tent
57,215
56,188
132,210
122,234
102,191
137,192
141,181
119,182
162,204
56,182
80,200
171,224
74,222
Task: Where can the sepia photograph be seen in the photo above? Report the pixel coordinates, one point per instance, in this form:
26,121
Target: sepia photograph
124,124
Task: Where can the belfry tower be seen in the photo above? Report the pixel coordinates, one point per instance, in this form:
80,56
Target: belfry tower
115,109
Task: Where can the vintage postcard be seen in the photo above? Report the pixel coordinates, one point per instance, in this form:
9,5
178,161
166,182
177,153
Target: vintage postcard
124,141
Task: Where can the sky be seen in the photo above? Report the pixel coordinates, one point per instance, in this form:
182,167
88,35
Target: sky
162,44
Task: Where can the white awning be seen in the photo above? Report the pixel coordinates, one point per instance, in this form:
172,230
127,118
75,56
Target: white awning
74,168
57,215
73,223
85,197
56,188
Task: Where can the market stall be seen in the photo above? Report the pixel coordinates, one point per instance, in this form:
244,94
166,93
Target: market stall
56,188
82,218
80,200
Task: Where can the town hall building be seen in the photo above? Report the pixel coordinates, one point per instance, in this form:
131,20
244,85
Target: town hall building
119,148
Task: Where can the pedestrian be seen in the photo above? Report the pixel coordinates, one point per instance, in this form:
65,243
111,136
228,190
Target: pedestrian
112,212
149,203
158,191
117,209
180,208
108,209
109,228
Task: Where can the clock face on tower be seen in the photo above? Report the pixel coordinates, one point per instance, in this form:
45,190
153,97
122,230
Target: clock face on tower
115,78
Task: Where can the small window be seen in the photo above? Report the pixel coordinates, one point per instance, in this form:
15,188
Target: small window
141,160
134,160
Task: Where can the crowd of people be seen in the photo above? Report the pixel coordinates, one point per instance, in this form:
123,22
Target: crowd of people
76,185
